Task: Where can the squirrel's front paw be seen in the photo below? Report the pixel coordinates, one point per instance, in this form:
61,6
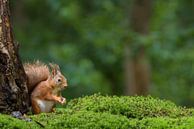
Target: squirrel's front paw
63,100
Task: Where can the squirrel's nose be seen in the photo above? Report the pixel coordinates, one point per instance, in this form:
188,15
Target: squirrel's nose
66,84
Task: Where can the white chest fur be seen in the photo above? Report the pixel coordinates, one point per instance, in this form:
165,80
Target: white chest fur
45,106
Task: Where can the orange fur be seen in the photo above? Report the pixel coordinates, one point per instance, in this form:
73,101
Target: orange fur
47,86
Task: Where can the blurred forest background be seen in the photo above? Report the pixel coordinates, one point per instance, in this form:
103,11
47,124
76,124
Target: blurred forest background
120,47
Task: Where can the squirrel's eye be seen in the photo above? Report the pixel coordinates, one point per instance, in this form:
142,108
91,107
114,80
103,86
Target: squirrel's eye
59,80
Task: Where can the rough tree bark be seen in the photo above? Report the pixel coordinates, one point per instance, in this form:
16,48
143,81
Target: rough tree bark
13,88
136,68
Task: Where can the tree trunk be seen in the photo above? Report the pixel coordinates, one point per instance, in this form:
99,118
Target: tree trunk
136,68
13,88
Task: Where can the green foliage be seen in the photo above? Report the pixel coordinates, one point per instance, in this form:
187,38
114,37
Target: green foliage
99,112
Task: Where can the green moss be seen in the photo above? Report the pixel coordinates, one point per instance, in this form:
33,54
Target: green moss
131,107
83,120
8,122
98,111
163,123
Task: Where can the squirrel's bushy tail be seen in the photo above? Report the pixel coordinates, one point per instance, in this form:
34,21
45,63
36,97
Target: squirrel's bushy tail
36,72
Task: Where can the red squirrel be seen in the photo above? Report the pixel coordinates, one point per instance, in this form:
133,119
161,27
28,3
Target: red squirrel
44,86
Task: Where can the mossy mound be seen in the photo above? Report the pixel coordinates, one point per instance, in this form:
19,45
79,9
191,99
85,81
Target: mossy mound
131,107
98,111
92,120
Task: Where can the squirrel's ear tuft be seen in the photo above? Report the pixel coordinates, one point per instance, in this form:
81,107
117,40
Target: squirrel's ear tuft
53,69
57,67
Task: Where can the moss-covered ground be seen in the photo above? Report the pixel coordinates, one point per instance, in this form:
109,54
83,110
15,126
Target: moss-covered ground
109,112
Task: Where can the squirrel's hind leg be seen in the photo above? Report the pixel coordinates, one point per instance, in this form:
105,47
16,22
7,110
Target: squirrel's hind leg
35,108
